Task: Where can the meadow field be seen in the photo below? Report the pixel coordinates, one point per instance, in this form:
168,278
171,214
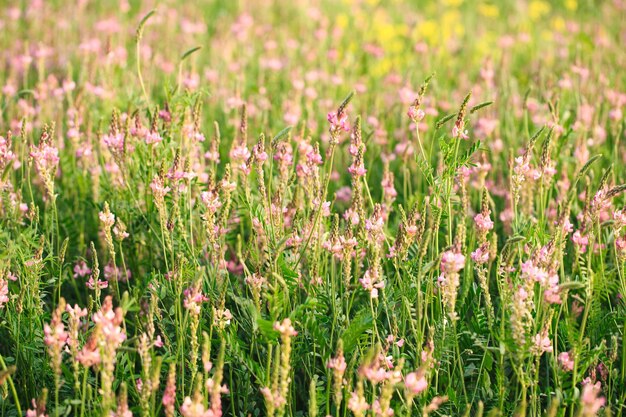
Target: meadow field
290,208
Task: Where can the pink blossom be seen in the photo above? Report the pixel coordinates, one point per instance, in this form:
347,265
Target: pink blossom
483,222
566,361
338,122
452,262
415,382
81,269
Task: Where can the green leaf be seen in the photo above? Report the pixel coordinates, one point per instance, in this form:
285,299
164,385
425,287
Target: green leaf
359,325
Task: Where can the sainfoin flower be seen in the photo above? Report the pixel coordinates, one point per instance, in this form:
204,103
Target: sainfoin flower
4,292
338,122
566,361
452,262
590,400
415,382
483,222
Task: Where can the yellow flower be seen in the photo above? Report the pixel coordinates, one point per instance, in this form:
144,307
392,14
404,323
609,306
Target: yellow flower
427,31
571,5
488,10
342,21
537,9
452,3
558,23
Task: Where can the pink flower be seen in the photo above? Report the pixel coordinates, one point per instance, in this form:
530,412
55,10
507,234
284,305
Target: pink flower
107,219
580,241
153,137
566,361
590,400
92,283
542,343
481,255
357,169
81,269
4,292
415,114
211,200
46,158
483,222
452,262
285,328
372,283
459,132
338,122
114,141
193,299
357,404
415,382
158,187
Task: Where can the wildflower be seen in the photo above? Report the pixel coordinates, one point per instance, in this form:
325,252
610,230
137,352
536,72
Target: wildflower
93,283
415,113
194,408
371,283
483,222
452,262
81,269
193,299
415,383
285,328
338,122
459,132
158,188
55,337
106,217
481,254
39,407
46,158
4,292
211,200
590,400
153,137
338,365
566,361
222,317
6,155
169,395
358,404
114,141
542,343
274,398
580,241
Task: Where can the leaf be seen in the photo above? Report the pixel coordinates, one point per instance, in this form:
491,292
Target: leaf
361,323
266,328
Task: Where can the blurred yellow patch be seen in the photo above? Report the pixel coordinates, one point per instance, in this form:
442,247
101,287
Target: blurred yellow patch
538,9
547,35
488,10
558,24
484,45
380,68
428,32
451,25
342,21
571,5
452,3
